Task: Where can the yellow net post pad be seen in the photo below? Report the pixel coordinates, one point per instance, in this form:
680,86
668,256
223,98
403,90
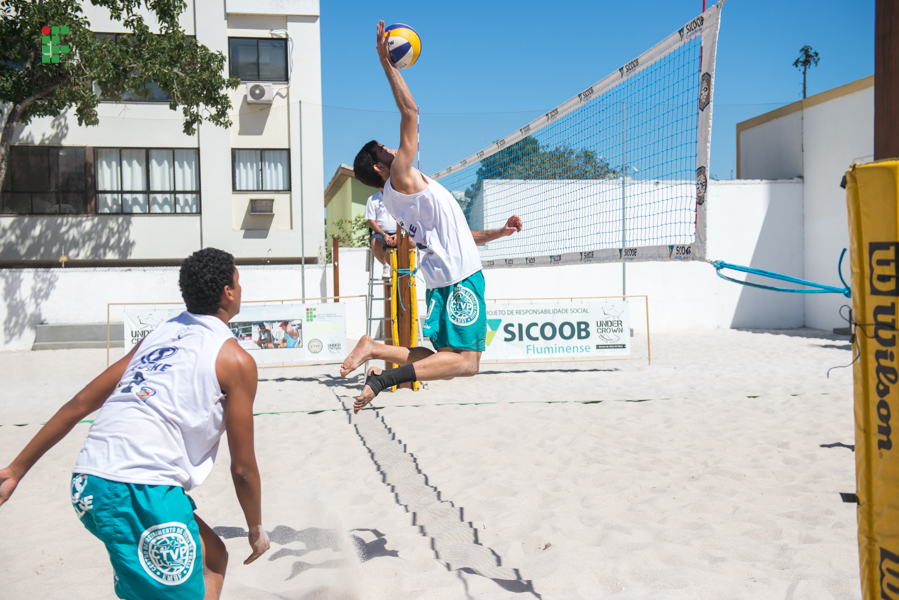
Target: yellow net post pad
873,199
393,305
413,308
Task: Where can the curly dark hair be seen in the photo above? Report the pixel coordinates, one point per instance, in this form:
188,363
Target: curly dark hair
204,274
364,166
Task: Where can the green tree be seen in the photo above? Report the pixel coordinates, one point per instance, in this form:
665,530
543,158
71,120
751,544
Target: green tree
95,68
807,58
527,159
350,233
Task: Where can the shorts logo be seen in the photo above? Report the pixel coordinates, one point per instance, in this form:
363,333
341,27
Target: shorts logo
167,553
80,503
462,307
315,346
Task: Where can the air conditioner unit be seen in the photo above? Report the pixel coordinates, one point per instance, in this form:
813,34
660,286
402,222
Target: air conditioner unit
259,93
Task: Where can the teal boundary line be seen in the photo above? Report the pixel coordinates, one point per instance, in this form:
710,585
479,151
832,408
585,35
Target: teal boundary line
316,411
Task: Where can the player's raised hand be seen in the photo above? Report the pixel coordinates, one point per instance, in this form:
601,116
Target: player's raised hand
8,483
513,225
259,542
381,45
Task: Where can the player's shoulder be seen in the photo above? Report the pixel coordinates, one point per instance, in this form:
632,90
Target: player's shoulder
233,359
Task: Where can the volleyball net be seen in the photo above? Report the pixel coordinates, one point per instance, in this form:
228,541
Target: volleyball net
617,173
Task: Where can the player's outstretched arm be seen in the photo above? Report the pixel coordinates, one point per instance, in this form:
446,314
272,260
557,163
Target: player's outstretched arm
512,225
404,177
236,371
84,403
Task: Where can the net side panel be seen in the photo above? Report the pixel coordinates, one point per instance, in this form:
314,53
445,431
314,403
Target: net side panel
617,173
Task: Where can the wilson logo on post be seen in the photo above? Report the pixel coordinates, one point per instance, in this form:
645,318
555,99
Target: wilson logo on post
883,259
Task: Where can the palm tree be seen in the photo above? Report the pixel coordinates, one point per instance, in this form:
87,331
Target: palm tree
807,58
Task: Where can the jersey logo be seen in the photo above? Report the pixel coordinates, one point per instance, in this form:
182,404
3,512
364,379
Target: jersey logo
462,307
132,385
167,552
157,355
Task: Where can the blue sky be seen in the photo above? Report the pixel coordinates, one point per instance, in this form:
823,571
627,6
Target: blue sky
488,65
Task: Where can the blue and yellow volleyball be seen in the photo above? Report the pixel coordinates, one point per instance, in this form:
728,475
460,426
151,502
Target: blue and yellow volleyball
404,45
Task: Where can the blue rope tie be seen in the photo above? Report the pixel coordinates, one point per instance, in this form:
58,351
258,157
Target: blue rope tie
818,288
405,273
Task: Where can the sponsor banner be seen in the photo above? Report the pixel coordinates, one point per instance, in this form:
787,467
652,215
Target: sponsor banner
873,199
141,320
276,333
557,330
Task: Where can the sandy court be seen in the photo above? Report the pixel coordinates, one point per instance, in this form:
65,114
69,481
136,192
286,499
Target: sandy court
713,474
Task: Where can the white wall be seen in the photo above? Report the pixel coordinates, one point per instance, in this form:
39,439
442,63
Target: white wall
751,223
837,133
836,129
58,296
772,150
755,223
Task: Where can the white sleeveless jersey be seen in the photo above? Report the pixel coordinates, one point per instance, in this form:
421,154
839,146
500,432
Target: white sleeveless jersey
162,424
437,225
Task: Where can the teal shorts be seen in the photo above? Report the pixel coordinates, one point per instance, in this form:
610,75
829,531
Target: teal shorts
150,533
457,315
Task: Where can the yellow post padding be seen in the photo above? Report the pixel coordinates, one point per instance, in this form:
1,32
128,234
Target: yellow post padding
414,308
873,197
393,304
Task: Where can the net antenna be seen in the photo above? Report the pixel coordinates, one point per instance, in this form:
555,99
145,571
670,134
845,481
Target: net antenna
617,173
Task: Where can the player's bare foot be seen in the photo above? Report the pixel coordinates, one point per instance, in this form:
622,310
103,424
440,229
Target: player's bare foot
360,354
367,395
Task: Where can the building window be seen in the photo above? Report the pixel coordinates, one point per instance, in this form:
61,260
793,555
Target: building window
147,180
254,59
42,180
261,170
156,94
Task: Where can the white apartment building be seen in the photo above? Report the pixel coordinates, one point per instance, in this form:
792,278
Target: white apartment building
136,191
